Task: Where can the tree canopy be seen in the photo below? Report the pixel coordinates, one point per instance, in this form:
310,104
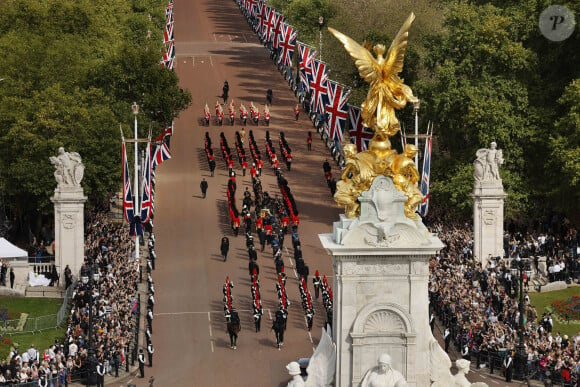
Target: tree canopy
483,73
72,70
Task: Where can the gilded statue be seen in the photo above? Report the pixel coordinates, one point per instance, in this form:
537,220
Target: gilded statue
387,91
406,177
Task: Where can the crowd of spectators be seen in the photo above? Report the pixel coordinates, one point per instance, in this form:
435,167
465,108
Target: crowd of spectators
479,305
107,247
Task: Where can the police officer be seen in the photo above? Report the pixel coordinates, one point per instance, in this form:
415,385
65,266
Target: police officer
141,363
150,351
150,319
100,373
508,367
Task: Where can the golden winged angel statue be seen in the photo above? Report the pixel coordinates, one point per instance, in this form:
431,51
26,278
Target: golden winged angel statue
387,91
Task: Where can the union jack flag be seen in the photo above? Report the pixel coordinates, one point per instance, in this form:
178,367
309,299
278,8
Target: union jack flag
336,108
165,135
360,135
168,33
287,42
146,197
424,207
318,85
268,23
161,154
169,14
278,20
305,61
127,194
260,10
169,52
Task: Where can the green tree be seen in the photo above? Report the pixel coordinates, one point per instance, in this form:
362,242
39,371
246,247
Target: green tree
72,70
478,94
564,147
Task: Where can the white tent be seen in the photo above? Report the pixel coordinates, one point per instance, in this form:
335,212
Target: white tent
8,250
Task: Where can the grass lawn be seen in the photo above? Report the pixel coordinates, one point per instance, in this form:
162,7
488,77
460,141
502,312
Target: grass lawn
35,307
543,300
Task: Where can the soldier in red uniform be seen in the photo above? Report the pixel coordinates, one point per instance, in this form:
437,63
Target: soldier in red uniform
253,172
244,166
268,230
260,165
230,166
297,111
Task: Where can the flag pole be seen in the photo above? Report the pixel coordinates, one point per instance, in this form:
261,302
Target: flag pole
416,109
136,207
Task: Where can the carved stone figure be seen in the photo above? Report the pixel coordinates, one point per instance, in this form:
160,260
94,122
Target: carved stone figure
486,166
383,375
69,168
439,369
294,371
321,367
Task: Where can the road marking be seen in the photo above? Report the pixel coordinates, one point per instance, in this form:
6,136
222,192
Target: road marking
214,38
193,61
192,312
211,342
208,317
210,333
210,61
309,335
269,314
230,37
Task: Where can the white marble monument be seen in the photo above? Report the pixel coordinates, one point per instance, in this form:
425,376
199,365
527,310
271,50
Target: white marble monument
488,201
69,203
381,268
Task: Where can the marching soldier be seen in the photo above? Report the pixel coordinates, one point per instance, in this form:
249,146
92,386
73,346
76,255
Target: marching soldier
244,166
141,363
316,282
297,112
253,171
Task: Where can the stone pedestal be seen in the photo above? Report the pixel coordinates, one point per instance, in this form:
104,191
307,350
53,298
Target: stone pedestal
488,200
69,229
381,269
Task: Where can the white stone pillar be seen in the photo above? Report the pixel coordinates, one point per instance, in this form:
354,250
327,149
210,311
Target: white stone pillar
69,229
381,270
69,201
488,201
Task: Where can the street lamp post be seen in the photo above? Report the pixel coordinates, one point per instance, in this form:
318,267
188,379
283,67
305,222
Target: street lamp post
520,359
416,106
136,207
89,276
320,25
